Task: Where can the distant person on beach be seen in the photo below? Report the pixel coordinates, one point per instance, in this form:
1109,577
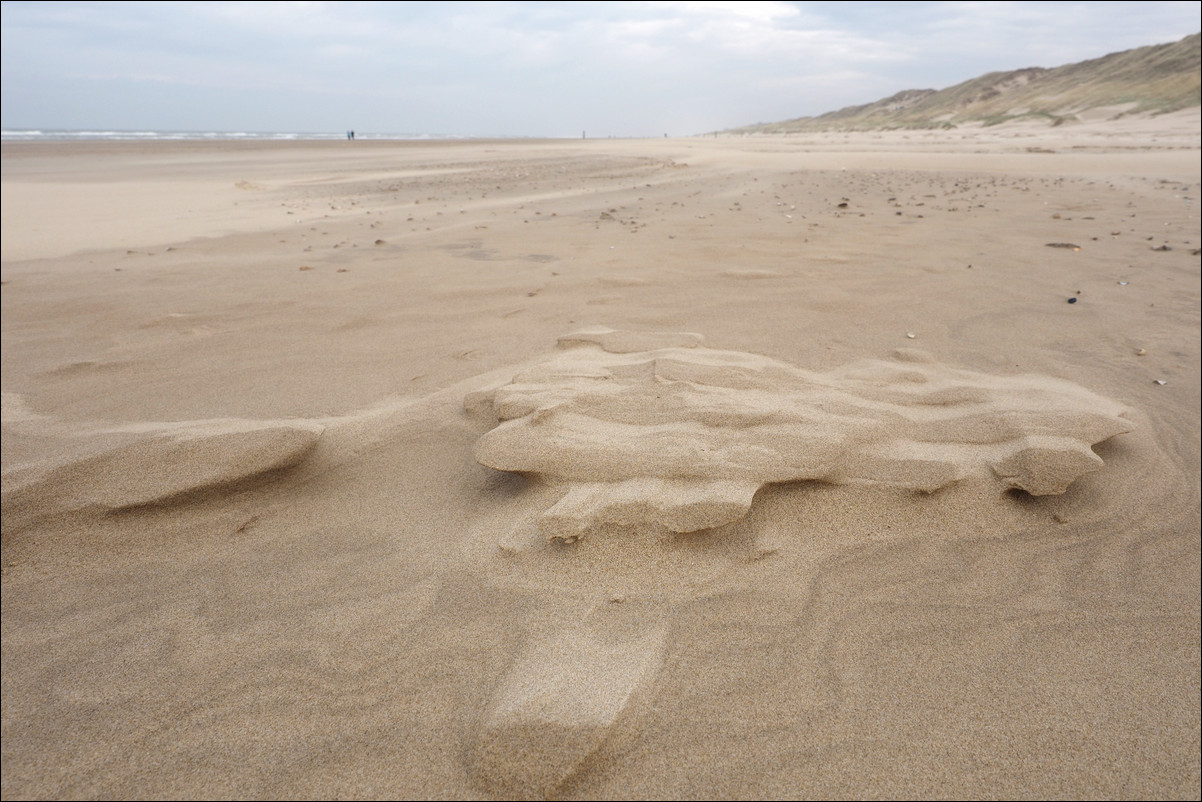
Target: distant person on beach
350,134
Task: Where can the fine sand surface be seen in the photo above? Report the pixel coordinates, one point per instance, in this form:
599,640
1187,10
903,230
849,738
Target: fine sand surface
685,469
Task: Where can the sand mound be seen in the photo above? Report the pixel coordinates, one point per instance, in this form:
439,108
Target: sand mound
159,468
658,432
565,697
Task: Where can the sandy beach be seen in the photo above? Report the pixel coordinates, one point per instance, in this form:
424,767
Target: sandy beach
814,466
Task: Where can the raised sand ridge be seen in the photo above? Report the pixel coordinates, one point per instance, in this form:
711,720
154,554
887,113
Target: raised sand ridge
656,431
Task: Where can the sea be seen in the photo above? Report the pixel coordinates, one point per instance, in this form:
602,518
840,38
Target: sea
58,135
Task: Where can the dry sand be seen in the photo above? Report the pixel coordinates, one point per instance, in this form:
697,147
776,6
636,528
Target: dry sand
815,483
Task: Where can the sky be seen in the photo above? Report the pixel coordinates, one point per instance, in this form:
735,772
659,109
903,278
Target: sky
544,69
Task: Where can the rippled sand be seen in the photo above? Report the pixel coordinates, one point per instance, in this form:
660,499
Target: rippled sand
699,468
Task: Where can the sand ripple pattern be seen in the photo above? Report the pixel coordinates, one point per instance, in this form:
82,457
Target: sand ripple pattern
657,431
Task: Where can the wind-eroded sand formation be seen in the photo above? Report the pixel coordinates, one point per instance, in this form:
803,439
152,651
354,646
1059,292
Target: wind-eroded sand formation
302,500
651,432
646,433
655,431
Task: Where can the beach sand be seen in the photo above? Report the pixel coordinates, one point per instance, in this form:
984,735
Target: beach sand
842,465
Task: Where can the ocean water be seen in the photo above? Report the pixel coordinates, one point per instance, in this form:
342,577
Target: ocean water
48,135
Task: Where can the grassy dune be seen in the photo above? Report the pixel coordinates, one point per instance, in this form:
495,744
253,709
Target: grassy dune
1155,79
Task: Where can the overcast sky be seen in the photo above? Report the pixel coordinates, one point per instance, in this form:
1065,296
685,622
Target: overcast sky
524,69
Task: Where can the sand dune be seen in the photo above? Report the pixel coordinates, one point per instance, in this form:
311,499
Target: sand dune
733,468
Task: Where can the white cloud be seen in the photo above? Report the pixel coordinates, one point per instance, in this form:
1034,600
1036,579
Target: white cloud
525,67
